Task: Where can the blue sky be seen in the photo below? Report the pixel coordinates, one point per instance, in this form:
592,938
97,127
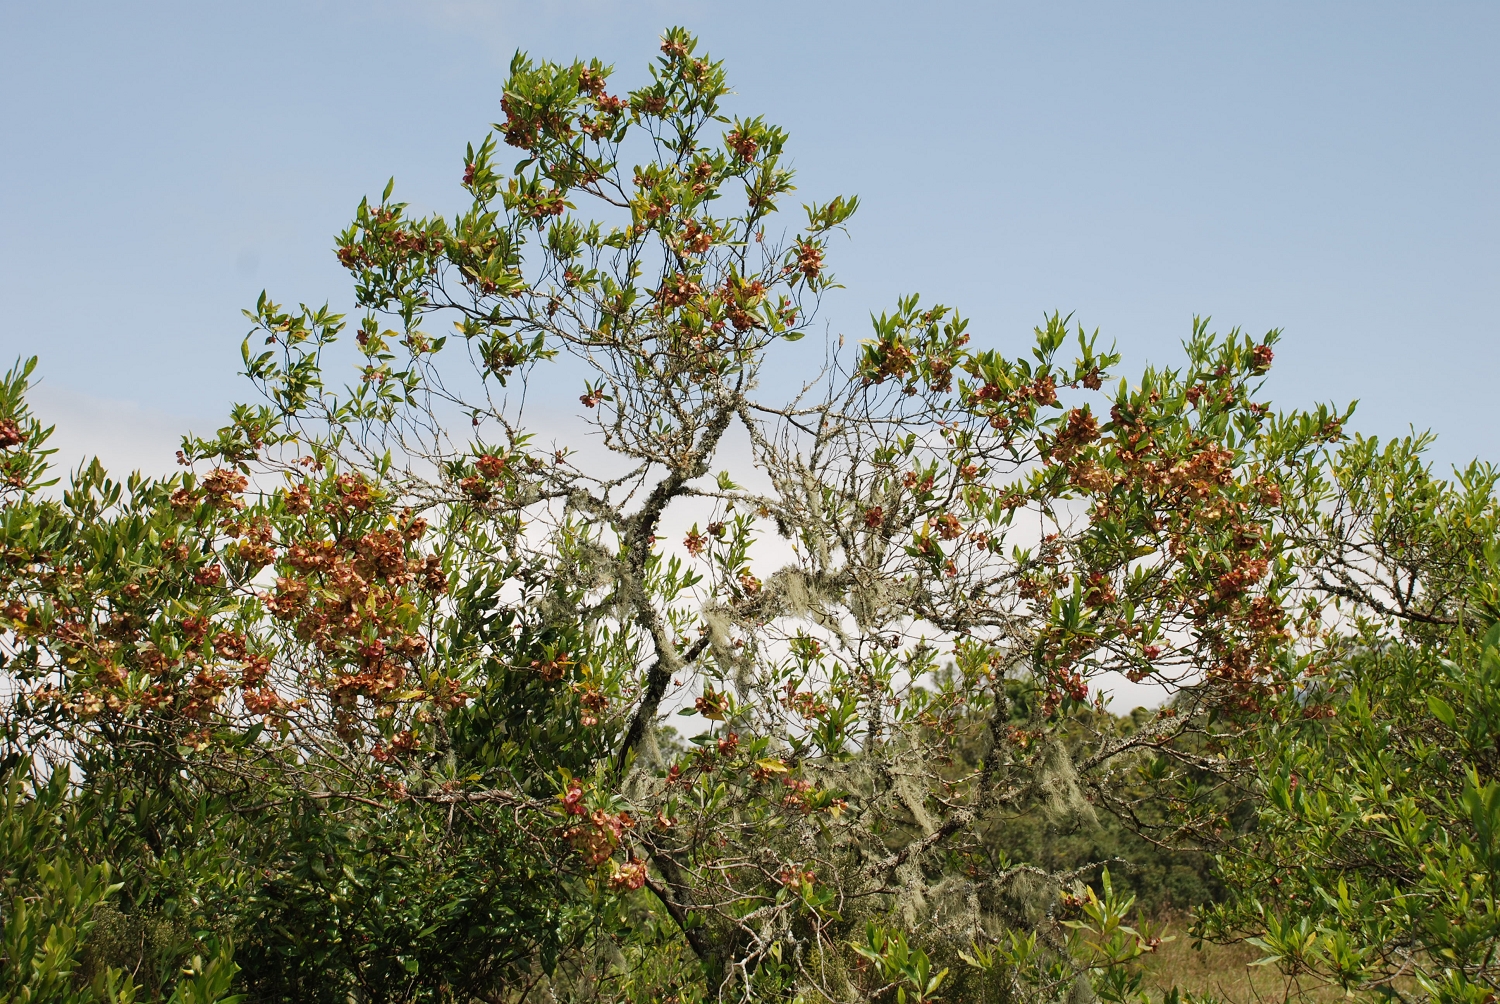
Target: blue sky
1327,168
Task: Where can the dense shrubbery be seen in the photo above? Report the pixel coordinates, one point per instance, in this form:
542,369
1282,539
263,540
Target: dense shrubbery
372,702
1373,864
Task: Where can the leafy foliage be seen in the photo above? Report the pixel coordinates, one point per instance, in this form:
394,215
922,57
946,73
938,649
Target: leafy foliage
372,702
1372,866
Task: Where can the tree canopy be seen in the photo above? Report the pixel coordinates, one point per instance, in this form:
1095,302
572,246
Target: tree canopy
737,687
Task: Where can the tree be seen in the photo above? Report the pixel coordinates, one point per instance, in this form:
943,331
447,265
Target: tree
1373,862
390,621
